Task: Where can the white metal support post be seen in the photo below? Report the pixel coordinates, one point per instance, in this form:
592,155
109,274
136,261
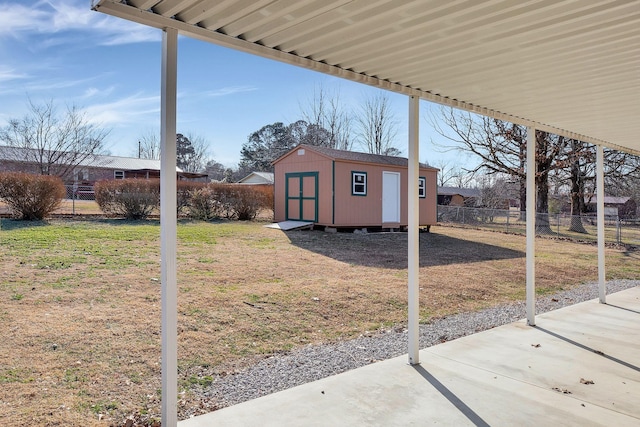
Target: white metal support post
531,226
413,224
168,227
602,290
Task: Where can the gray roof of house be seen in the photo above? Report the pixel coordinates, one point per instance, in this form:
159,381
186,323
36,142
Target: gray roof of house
19,154
464,192
354,156
266,176
608,200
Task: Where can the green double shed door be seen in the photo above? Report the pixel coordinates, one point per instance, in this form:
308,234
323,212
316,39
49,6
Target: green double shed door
301,202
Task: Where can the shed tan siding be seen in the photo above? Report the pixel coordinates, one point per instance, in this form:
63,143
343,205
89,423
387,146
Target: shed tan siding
337,206
307,162
366,211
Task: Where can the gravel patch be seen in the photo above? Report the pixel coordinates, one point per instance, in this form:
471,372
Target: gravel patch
313,362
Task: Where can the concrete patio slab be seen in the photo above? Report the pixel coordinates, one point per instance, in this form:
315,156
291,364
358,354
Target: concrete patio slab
579,366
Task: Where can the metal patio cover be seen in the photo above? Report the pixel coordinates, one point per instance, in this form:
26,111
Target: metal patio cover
571,67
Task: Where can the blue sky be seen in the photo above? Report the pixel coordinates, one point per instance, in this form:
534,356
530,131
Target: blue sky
62,51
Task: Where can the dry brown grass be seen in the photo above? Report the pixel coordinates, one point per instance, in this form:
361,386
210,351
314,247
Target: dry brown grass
80,302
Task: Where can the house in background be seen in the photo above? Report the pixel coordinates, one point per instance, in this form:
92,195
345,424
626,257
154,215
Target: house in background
455,196
336,188
93,168
265,178
614,207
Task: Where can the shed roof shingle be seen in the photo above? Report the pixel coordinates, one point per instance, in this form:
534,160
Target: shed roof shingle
354,156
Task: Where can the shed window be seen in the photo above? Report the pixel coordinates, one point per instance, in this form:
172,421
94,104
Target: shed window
358,183
118,174
422,187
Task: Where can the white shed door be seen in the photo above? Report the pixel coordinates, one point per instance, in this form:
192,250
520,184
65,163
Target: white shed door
390,197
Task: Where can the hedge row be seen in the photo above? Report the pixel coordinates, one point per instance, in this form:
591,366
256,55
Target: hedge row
31,197
130,198
137,199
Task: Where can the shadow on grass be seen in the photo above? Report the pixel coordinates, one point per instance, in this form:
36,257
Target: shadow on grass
389,250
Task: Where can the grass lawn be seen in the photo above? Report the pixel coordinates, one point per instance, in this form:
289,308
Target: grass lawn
80,302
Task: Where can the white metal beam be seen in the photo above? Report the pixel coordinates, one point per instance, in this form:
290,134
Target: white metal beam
602,290
168,227
531,226
413,224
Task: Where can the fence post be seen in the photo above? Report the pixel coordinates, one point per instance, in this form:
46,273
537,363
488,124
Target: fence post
74,192
618,231
558,229
508,216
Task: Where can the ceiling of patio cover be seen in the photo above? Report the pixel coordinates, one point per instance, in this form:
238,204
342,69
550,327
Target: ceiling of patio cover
567,66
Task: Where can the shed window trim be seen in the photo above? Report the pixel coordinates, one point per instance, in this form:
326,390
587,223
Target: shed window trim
358,183
422,187
118,174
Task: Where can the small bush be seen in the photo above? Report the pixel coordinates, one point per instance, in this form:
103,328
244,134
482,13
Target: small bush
185,192
203,204
131,198
243,202
249,200
31,197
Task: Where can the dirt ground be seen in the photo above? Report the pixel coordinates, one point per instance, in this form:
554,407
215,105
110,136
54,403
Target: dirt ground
80,302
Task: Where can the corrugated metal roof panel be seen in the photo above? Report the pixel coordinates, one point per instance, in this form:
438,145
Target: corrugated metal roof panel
19,154
464,192
566,66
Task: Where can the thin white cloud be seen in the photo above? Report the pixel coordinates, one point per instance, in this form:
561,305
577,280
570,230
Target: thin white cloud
49,85
90,92
59,17
16,18
136,108
94,92
7,74
230,90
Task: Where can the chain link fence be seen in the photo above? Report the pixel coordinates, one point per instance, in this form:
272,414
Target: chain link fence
582,228
80,199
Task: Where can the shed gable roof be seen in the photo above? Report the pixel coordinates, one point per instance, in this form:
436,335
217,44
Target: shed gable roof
355,156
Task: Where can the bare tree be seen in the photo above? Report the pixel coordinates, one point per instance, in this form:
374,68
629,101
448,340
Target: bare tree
450,175
148,146
56,144
501,147
325,111
192,151
216,171
621,171
200,155
494,190
580,159
376,126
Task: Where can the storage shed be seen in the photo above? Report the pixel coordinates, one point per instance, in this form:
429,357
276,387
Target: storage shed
337,188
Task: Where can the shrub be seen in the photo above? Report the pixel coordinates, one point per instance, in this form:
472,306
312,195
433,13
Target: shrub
131,198
243,202
249,200
185,192
203,204
31,197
